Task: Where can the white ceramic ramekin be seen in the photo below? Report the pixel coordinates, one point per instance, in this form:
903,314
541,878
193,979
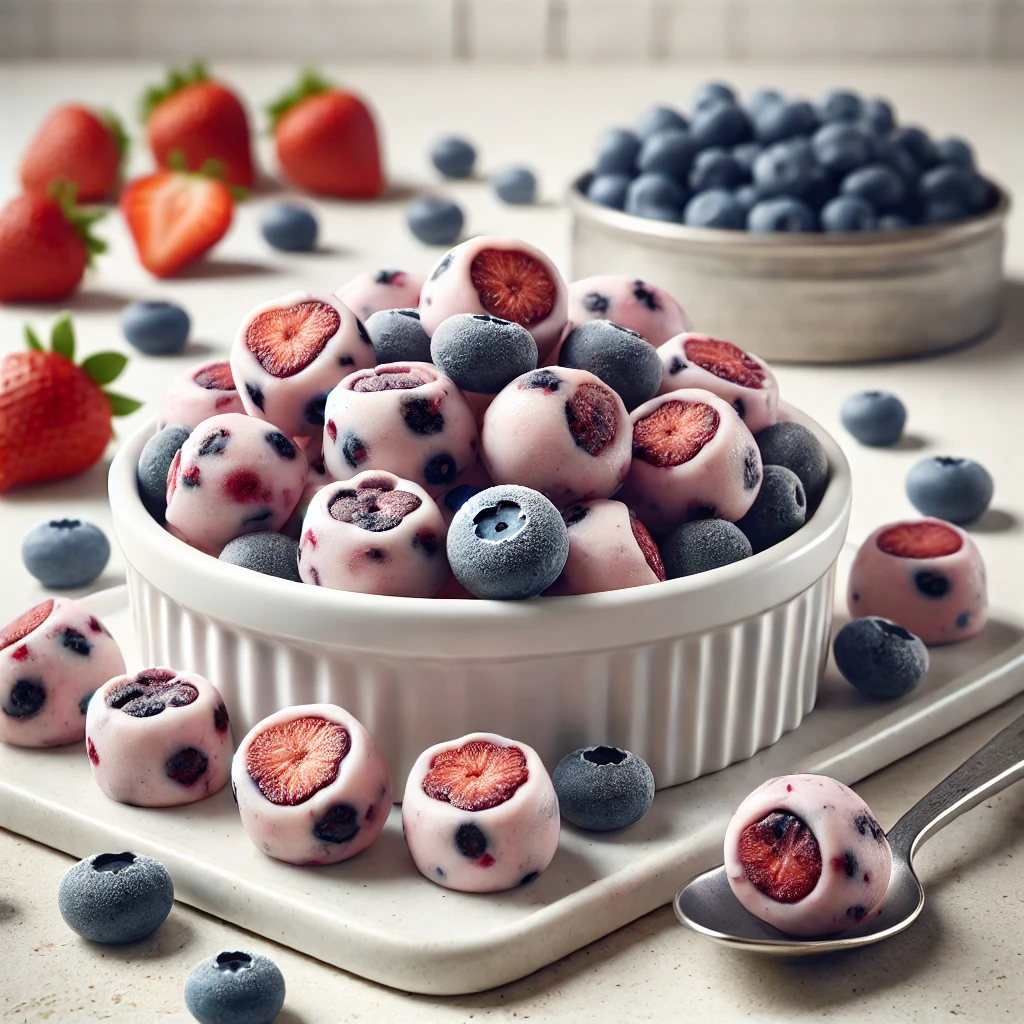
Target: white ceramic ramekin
692,674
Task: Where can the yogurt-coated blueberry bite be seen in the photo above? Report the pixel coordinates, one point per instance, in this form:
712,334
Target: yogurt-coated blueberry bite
794,446
52,659
115,897
404,418
199,393
311,785
619,356
377,290
159,738
880,658
235,987
289,353
927,575
234,475
779,509
505,277
743,380
273,554
959,490
703,545
603,788
374,534
693,458
154,462
482,353
630,302
480,814
805,854
560,431
397,336
609,549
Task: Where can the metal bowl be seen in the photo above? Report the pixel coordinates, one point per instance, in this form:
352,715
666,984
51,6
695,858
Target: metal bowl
810,298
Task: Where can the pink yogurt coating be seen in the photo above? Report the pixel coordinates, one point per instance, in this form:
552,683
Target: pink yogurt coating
234,475
519,836
562,432
418,425
289,386
604,553
855,857
629,302
374,290
332,824
740,378
199,393
940,598
176,755
389,540
61,649
720,479
449,289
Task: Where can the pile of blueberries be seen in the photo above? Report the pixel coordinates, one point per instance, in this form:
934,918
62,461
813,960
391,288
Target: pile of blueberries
779,164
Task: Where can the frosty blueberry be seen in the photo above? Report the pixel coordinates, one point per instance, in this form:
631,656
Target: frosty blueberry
959,490
880,658
154,462
874,418
65,553
603,788
272,554
779,509
235,987
482,353
703,545
397,336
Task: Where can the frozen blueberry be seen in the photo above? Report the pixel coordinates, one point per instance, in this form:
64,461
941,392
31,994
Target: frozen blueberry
156,328
115,897
290,227
515,185
878,184
874,418
745,154
761,98
841,147
617,150
792,445
235,987
891,154
668,152
658,119
715,168
397,336
720,123
775,122
955,151
917,143
746,196
482,353
656,196
154,462
65,553
943,212
609,190
893,222
783,213
702,545
951,183
848,213
783,169
880,658
435,221
603,788
710,94
958,490
620,357
878,116
840,105
779,509
507,542
272,554
453,157
716,208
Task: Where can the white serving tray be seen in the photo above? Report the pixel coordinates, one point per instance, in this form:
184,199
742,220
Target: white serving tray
377,917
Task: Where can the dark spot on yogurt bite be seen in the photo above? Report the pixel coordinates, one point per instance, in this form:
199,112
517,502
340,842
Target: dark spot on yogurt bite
95,625
643,294
751,469
257,517
339,825
575,515
255,393
446,262
346,361
858,913
931,584
676,366
72,640
83,704
440,469
190,478
426,541
187,766
215,377
314,411
388,277
215,443
541,380
220,718
530,878
962,620
440,872
245,487
423,415
234,792
376,555
282,445
90,749
146,696
595,302
470,841
354,450
866,824
26,699
332,430
373,508
847,864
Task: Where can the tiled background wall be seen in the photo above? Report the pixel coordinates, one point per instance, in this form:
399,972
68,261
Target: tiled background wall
514,29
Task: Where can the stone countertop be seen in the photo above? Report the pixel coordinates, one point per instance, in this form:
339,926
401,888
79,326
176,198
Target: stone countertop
963,958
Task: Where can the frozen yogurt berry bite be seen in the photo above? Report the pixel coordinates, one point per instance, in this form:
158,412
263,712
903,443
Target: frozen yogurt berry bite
639,305
374,534
480,814
805,854
234,475
199,393
505,277
52,659
926,575
405,418
741,379
290,352
375,290
159,738
693,458
311,785
560,431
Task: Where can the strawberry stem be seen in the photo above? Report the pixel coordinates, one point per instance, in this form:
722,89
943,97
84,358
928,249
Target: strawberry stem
81,218
309,84
177,79
121,140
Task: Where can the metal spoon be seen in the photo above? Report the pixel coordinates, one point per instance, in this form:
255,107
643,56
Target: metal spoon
707,905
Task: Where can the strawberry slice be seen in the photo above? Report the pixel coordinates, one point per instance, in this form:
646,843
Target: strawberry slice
674,433
287,340
477,775
291,761
781,856
725,360
920,540
24,624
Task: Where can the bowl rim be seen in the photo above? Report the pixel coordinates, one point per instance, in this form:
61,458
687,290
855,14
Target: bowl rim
461,628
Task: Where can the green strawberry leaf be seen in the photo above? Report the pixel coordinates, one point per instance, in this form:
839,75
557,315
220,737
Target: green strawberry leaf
105,367
81,218
121,405
32,340
116,126
62,337
177,79
309,84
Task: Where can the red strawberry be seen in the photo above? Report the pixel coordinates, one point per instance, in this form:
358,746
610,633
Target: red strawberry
78,146
45,246
175,217
200,120
327,141
54,415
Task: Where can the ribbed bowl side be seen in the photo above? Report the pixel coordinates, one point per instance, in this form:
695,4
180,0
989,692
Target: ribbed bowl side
688,706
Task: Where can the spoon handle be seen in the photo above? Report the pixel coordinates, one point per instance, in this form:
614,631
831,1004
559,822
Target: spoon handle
997,765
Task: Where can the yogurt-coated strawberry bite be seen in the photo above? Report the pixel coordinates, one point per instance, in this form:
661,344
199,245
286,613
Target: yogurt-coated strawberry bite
629,302
52,659
374,290
740,378
693,458
805,854
199,393
289,353
234,475
480,814
926,575
311,785
159,738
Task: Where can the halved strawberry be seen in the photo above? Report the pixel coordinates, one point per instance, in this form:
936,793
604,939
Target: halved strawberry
781,856
477,775
24,624
920,540
291,761
286,341
725,360
513,285
674,433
